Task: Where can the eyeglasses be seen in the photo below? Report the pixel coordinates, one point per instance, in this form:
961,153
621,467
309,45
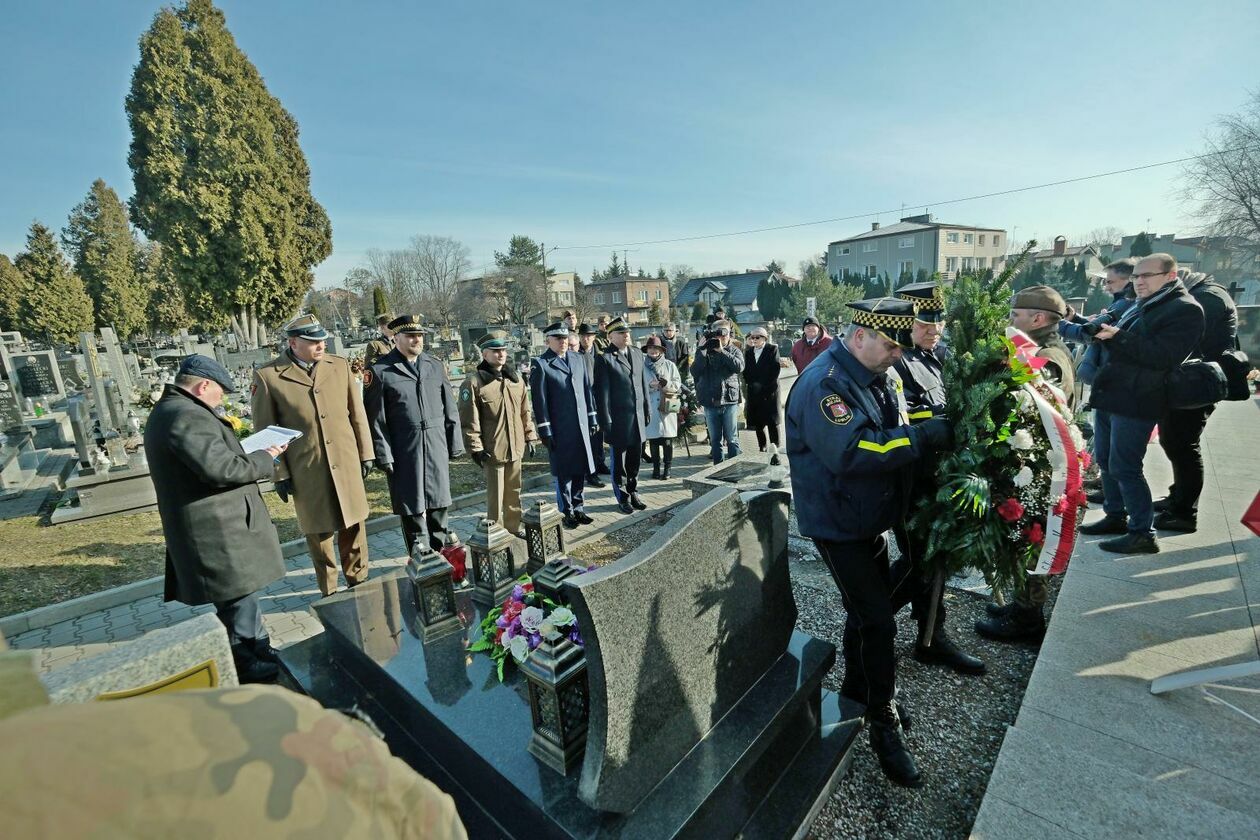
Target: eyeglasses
756,338
1146,274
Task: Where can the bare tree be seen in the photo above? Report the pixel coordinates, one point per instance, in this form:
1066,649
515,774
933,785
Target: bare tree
397,275
524,293
1100,237
479,300
1224,183
583,304
440,263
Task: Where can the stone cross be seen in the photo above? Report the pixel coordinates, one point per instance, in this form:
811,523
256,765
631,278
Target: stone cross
96,382
1235,290
676,633
117,364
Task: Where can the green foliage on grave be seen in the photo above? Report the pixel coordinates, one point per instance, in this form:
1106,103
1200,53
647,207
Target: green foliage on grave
105,255
55,307
220,180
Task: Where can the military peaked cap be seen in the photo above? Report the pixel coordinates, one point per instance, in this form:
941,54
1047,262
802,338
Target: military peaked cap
557,330
587,329
618,325
928,300
494,340
1040,297
306,326
887,316
407,324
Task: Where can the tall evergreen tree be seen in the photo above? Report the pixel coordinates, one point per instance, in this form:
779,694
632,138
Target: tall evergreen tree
167,312
14,289
1141,246
615,269
220,180
57,307
104,251
379,306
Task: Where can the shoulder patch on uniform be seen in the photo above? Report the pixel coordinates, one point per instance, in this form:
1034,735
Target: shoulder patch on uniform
367,376
835,409
465,393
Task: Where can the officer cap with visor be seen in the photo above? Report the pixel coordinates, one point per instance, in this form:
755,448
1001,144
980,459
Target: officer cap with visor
889,317
928,300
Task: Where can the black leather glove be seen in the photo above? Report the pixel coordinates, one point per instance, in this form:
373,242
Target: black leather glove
937,432
531,449
368,466
388,469
479,458
284,489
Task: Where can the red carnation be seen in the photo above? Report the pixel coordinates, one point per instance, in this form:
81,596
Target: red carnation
1010,510
498,636
1061,506
1035,534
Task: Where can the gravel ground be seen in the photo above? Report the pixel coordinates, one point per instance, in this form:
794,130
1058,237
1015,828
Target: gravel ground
958,721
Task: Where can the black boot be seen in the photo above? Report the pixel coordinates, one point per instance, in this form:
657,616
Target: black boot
1019,624
669,460
263,650
1131,543
636,502
593,480
886,740
903,714
1172,520
995,609
251,669
1109,524
943,651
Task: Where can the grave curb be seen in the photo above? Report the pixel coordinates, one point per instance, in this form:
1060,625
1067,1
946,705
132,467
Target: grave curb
24,622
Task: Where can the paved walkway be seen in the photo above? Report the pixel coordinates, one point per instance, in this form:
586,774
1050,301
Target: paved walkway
1093,753
287,601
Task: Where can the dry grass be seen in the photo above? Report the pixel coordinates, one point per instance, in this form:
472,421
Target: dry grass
42,564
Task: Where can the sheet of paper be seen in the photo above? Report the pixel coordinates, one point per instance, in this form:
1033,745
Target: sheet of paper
270,436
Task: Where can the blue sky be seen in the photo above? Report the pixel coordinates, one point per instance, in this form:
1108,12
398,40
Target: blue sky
597,123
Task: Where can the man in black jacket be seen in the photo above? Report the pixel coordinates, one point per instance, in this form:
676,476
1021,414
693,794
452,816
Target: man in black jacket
1151,339
1181,429
621,389
587,335
221,546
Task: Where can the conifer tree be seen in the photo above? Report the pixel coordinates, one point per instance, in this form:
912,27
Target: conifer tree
57,307
1141,246
220,180
104,251
379,306
14,289
166,312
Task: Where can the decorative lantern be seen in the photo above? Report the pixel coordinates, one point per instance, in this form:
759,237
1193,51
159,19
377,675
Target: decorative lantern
548,579
558,703
493,568
544,536
435,593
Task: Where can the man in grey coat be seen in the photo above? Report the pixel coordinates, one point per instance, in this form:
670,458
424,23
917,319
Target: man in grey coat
415,432
221,546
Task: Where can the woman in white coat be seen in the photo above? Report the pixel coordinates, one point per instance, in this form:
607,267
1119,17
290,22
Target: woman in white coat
664,401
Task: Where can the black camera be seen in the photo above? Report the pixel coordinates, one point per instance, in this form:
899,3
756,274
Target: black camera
1095,326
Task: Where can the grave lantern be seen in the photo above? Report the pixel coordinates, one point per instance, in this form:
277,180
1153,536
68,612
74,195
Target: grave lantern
544,535
558,703
434,591
494,573
548,579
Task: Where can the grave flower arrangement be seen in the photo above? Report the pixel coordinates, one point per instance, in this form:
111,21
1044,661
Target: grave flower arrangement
514,629
1008,497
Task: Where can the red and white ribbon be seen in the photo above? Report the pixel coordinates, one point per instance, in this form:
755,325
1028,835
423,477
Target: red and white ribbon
1065,484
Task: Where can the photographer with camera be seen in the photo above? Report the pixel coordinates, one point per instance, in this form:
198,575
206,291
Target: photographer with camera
1078,329
716,372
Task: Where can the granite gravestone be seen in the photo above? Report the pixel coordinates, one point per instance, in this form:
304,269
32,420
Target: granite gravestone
38,374
713,683
72,373
10,408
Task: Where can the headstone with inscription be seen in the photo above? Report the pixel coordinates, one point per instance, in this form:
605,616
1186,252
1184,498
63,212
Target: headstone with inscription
117,364
96,379
73,377
38,374
10,408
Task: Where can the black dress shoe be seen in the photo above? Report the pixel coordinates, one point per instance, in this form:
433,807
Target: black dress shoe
1170,521
1107,525
251,669
1131,543
1018,624
1095,496
665,473
624,506
1161,505
593,480
636,502
903,714
570,521
943,651
583,518
886,740
264,651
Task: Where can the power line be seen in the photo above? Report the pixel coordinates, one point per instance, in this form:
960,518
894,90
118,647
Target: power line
619,245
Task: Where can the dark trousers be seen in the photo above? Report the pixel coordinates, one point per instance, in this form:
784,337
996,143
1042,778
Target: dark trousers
1120,443
570,493
242,617
872,593
913,550
773,429
1179,434
431,524
662,453
597,452
625,468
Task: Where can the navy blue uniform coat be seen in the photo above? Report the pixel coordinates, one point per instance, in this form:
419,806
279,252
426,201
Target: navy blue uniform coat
564,412
621,389
415,427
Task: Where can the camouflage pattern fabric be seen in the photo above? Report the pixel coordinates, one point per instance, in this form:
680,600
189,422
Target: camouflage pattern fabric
250,761
20,687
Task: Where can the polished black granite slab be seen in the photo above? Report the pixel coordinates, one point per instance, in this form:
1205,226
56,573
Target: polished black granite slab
761,770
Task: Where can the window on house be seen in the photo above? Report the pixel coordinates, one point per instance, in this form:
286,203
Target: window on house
968,263
997,240
658,294
844,252
616,297
981,242
642,295
872,271
968,239
982,262
905,267
599,298
868,247
952,238
951,263
905,242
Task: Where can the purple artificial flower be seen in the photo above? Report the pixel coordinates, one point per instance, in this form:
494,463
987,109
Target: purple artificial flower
574,635
518,593
508,633
501,621
515,626
534,640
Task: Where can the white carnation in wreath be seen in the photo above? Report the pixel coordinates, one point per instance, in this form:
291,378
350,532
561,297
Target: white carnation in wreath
1024,477
1022,440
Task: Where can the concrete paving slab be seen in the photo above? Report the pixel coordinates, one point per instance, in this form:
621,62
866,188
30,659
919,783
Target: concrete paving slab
1152,765
1002,820
1094,798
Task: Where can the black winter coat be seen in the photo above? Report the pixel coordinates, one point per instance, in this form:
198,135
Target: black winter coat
1220,320
761,379
716,373
220,542
1138,359
621,395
